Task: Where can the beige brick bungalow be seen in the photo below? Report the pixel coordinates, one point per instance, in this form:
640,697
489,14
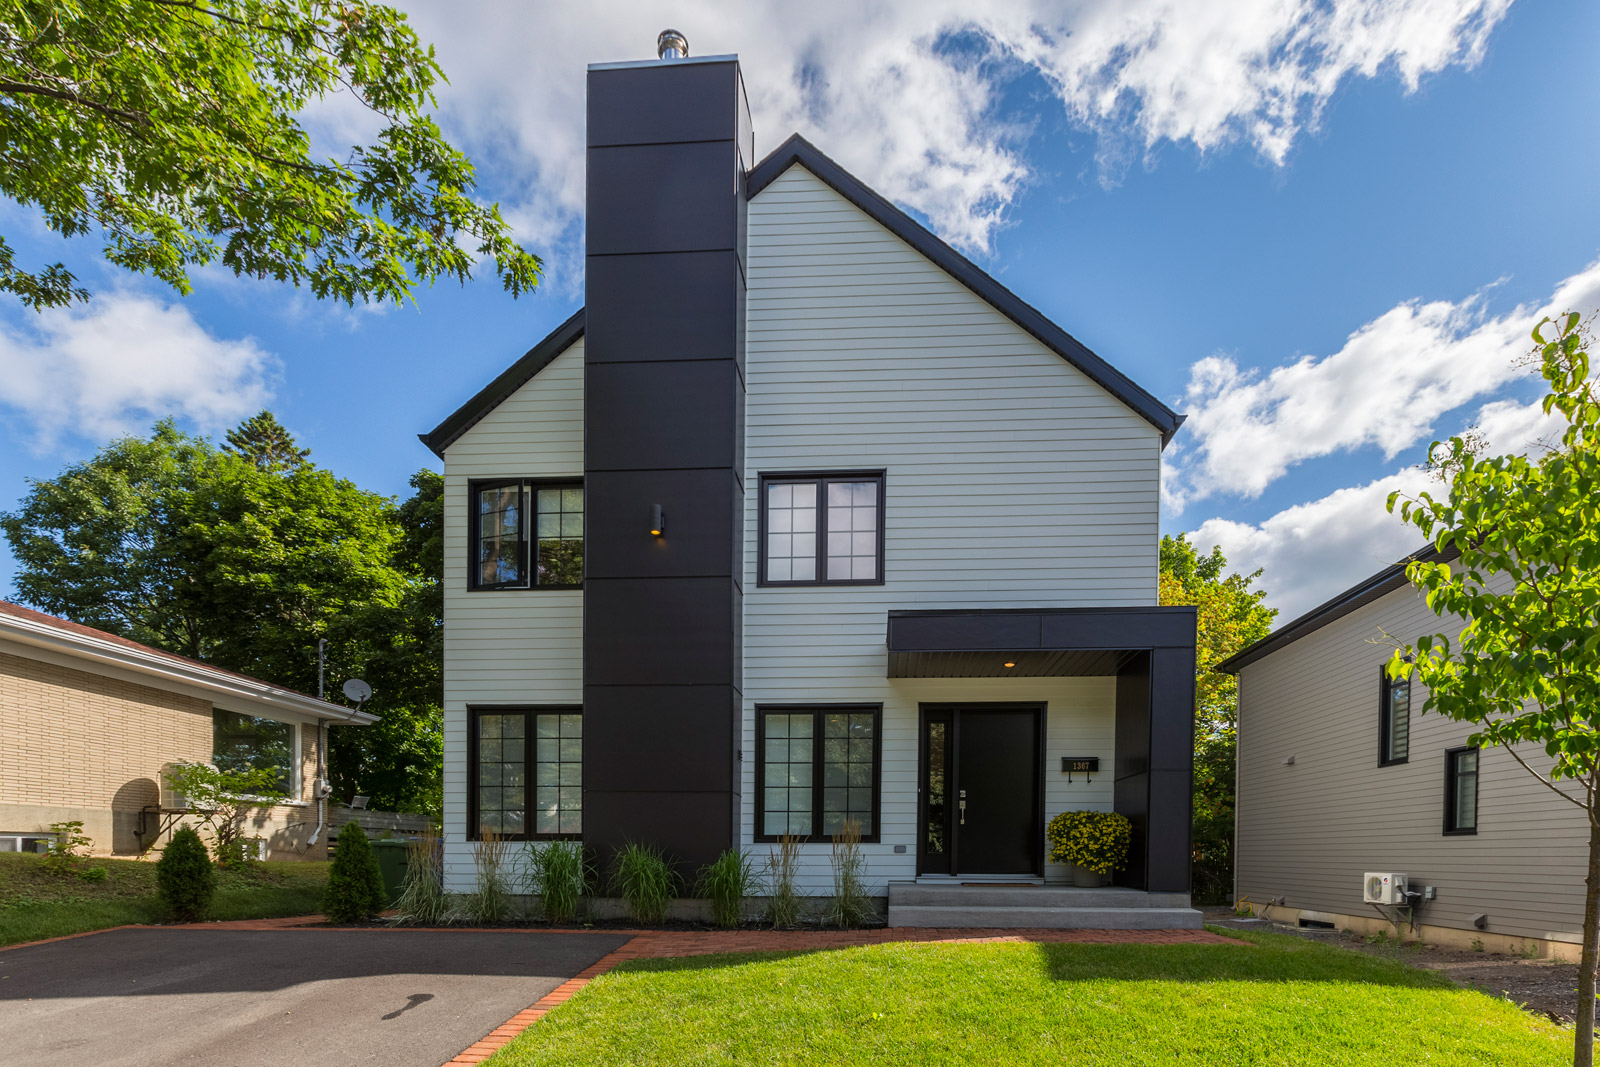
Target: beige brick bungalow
90,718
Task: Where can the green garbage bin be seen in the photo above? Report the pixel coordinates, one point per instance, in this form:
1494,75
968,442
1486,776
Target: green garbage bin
391,853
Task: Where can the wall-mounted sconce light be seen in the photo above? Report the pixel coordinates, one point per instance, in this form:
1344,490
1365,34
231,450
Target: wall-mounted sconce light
658,521
1008,665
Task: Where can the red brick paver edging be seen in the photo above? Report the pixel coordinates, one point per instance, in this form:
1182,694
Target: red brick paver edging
653,944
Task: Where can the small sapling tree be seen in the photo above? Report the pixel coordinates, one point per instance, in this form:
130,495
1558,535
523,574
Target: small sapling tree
222,800
1525,668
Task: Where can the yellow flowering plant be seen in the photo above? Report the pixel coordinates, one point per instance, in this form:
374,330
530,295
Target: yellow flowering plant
1094,840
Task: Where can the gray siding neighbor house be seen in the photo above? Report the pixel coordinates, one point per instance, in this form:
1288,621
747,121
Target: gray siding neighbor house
1342,776
804,518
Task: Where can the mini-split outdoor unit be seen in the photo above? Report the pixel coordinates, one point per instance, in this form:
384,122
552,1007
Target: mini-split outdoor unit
1379,888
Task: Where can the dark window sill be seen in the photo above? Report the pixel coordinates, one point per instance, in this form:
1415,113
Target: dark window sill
768,839
764,584
1461,833
1394,762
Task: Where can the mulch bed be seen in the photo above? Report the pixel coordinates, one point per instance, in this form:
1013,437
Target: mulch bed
1547,988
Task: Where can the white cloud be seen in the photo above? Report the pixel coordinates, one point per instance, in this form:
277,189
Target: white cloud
1312,551
121,362
1386,387
881,88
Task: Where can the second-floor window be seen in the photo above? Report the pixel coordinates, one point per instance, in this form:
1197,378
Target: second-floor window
821,529
1461,791
1394,742
526,534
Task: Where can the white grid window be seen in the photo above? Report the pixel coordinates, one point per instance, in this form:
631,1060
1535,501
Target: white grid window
822,529
792,532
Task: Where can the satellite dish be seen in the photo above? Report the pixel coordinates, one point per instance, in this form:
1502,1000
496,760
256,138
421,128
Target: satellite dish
357,690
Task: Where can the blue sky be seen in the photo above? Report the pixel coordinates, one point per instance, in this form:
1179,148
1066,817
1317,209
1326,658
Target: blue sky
1218,234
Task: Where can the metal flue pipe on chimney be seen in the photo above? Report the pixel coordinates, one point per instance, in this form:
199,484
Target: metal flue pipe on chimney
670,44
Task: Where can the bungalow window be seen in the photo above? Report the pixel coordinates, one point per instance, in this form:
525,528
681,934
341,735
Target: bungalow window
821,529
1461,791
526,534
1394,728
816,768
527,773
246,743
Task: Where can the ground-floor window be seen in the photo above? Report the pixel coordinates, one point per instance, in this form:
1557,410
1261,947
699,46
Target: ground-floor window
247,743
817,767
527,772
1461,791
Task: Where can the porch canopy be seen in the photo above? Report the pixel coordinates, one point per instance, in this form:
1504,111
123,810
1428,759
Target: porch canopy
1150,652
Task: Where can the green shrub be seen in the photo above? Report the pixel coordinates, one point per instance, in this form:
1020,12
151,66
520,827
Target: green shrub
422,897
785,907
851,904
725,883
491,901
94,874
559,873
68,845
646,882
1094,840
355,885
185,877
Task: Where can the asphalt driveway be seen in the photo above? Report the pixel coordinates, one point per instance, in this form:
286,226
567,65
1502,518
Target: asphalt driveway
282,998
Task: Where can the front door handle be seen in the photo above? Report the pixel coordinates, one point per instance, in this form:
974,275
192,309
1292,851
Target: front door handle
963,806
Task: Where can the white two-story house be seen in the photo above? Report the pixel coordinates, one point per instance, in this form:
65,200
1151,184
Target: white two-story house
803,517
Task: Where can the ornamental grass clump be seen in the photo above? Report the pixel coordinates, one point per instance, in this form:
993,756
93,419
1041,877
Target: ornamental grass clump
560,875
851,905
422,897
492,900
646,882
725,884
355,885
1094,840
185,877
785,906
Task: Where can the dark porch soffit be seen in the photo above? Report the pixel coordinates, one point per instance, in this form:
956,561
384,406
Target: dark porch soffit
1043,642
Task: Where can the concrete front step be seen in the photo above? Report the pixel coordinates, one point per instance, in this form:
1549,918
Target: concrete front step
989,896
1016,918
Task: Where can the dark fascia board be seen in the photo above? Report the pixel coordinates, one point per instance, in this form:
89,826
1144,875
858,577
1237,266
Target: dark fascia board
798,150
1052,629
1385,581
513,378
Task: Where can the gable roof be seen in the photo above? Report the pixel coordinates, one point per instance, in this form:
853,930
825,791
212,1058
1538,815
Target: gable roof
39,630
1359,595
797,150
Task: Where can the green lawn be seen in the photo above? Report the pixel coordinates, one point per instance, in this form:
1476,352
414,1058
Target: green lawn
1280,1000
36,903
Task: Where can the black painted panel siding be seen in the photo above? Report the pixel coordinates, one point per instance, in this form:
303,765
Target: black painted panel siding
663,424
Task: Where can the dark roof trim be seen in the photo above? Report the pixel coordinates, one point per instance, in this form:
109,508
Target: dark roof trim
513,378
798,150
1385,581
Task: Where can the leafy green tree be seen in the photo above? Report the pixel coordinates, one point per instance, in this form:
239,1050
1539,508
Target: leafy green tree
1525,668
222,799
201,551
263,440
1230,616
173,128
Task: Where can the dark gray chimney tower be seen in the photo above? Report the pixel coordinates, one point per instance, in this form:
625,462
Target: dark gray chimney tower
669,143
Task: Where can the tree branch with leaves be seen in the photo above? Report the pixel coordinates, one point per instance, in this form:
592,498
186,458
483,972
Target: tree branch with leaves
174,128
1524,668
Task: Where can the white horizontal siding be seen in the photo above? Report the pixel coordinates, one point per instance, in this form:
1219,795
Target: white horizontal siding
515,646
1013,480
1308,831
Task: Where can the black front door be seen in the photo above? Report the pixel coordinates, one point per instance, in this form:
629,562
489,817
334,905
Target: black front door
981,801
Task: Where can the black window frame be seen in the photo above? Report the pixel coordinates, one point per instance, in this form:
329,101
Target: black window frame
1452,787
530,488
529,737
817,711
1386,756
821,480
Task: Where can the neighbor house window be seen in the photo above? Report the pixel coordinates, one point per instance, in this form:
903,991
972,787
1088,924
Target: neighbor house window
526,534
1394,720
821,529
815,768
246,743
1461,791
527,772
